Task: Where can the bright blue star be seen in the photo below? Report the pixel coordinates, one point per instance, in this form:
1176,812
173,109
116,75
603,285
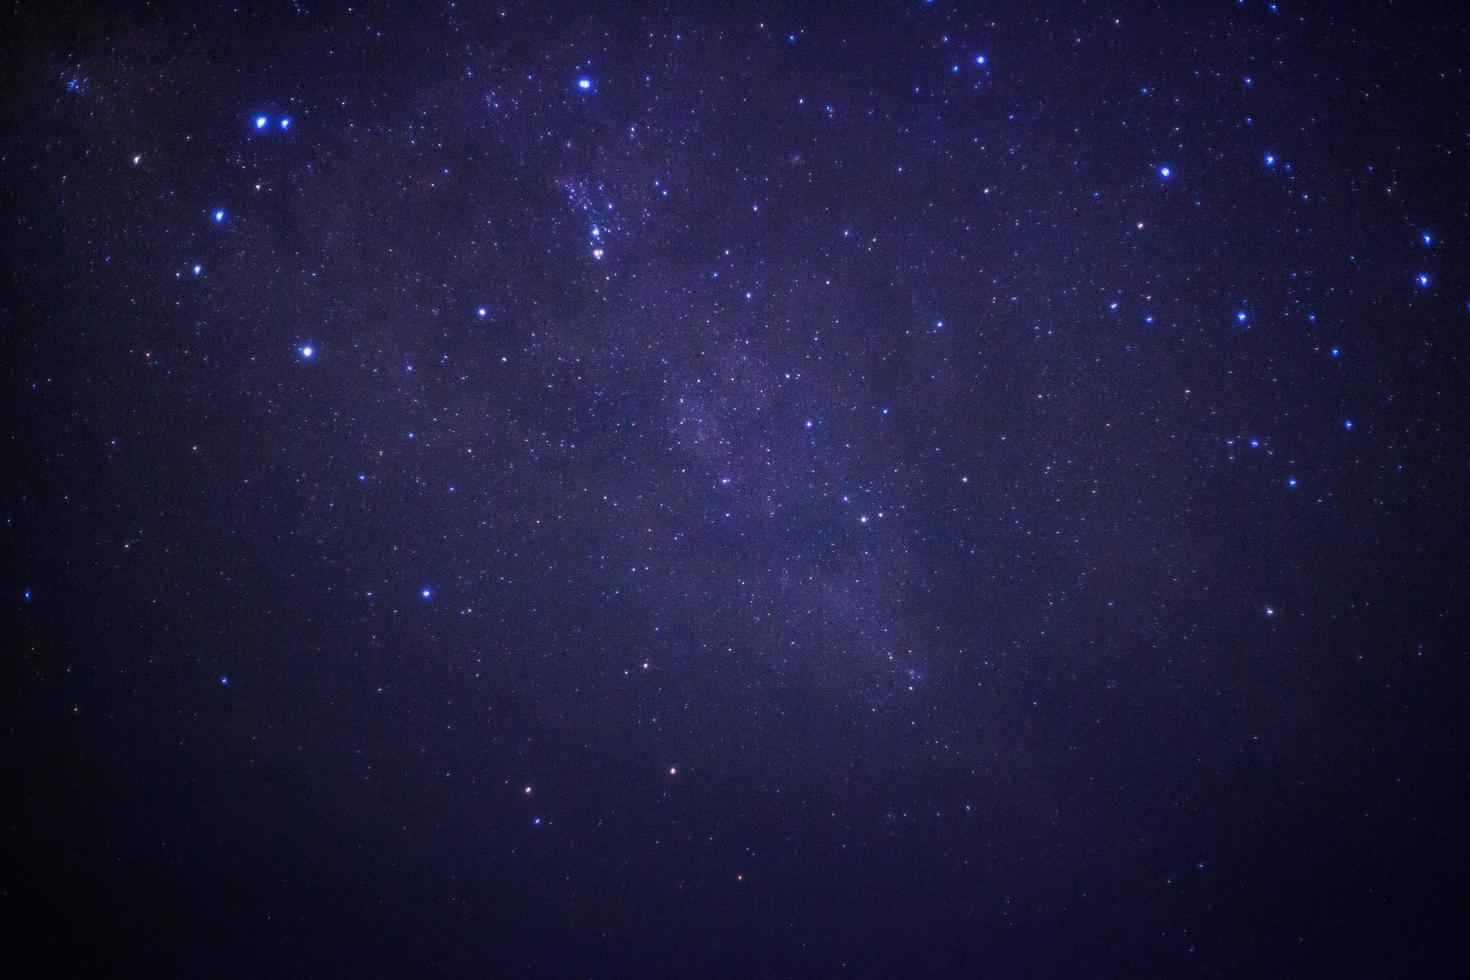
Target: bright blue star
26,595
1240,316
219,216
198,269
1270,159
1334,352
307,352
260,122
1165,172
1423,280
536,821
482,312
224,680
585,84
1291,482
1428,238
979,59
285,122
809,423
426,593
1347,424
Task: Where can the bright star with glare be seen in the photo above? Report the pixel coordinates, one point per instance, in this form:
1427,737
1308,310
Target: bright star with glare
260,122
1165,172
307,351
219,216
585,84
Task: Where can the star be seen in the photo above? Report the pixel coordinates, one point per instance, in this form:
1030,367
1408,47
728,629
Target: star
308,352
260,122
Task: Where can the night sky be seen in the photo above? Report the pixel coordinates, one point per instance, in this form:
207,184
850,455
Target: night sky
916,489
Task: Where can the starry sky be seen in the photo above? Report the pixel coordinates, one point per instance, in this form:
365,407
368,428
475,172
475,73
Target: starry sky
909,489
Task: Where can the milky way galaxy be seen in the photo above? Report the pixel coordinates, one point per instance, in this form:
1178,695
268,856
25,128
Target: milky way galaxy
912,489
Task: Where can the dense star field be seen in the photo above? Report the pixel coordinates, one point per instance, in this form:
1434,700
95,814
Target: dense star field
918,489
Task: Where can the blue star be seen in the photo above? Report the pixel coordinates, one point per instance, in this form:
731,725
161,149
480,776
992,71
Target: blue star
1423,280
482,312
307,352
1291,482
585,84
1334,352
260,122
285,122
198,269
979,59
426,593
26,595
1428,238
219,216
224,680
1347,424
1270,159
1240,316
536,821
1165,172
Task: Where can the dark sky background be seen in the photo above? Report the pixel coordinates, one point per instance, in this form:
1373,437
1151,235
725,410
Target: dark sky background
917,489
